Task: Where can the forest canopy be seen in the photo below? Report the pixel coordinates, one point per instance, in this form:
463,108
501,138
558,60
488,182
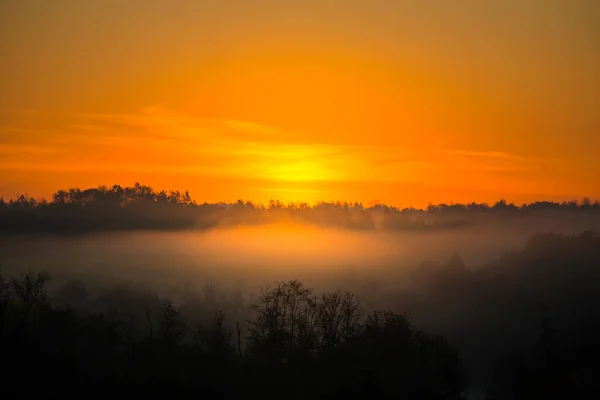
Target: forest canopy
141,207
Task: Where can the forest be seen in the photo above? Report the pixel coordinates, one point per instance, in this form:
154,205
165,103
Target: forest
142,208
525,326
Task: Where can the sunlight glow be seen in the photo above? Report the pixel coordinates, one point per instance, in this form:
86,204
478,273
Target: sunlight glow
290,163
389,101
298,171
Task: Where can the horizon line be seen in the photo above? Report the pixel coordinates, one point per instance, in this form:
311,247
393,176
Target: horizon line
579,199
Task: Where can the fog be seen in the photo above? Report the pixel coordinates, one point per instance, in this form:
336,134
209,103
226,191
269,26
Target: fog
464,283
249,257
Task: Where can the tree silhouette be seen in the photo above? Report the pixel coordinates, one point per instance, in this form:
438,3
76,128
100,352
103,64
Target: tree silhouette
141,207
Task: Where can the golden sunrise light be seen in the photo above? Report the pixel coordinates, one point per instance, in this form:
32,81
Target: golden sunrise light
375,102
303,199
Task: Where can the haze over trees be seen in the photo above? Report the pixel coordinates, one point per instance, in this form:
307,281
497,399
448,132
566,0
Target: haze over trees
307,345
522,326
141,207
519,323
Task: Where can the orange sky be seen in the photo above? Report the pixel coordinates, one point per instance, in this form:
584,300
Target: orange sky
402,101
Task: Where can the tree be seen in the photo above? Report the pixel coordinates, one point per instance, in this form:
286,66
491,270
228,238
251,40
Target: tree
172,328
285,322
30,291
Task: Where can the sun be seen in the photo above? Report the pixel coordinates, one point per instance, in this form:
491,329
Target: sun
295,163
299,172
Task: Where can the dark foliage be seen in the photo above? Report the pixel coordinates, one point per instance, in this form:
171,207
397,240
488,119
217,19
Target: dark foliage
300,345
492,313
526,325
141,207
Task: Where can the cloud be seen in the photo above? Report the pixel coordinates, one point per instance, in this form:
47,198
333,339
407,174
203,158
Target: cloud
488,154
286,190
20,149
86,127
246,126
97,167
158,139
16,130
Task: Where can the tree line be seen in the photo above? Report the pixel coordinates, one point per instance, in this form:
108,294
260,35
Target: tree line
298,345
142,207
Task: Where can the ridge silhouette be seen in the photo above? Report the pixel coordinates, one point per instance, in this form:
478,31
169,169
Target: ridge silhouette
142,208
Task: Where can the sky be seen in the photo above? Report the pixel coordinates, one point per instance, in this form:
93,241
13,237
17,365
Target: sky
403,102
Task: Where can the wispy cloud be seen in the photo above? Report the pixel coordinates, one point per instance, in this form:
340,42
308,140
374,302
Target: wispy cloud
485,154
20,149
284,190
246,126
87,127
159,139
98,167
15,130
